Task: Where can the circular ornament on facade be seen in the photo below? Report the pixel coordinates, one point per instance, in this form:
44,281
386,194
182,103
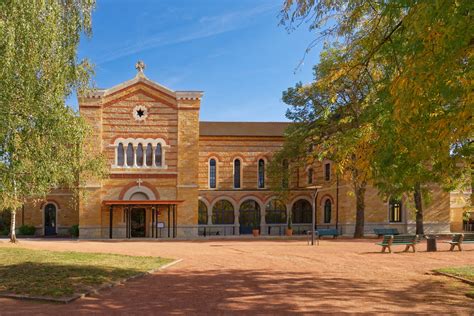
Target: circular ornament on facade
140,113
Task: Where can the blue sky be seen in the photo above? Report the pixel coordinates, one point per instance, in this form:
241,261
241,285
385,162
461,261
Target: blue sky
234,51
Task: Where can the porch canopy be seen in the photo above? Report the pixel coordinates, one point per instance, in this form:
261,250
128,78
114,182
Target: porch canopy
129,204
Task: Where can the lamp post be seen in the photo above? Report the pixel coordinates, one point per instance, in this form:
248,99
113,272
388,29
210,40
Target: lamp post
313,215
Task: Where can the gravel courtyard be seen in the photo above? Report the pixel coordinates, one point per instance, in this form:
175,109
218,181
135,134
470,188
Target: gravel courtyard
270,277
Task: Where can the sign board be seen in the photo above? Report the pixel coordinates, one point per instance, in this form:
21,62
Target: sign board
160,225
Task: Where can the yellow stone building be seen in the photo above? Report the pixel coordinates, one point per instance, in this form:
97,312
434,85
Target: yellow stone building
172,175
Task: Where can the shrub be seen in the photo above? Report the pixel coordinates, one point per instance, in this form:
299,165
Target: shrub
4,231
74,231
26,230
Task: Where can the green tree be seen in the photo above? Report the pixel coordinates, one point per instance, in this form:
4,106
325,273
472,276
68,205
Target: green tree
330,124
419,56
42,141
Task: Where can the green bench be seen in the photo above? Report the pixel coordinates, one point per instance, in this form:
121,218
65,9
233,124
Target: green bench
385,231
459,239
327,232
395,240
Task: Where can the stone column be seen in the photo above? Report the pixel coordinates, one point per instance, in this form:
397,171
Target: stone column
236,221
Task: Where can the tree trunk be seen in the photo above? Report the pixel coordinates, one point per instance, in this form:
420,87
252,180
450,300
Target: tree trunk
360,210
419,209
12,228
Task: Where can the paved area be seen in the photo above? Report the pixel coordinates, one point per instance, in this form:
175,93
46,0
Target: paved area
270,277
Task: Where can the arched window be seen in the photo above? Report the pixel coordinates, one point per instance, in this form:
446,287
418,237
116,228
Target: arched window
302,212
149,155
275,212
237,169
395,211
140,155
223,213
285,166
120,155
50,219
310,176
130,156
202,213
261,173
212,173
158,155
327,211
139,196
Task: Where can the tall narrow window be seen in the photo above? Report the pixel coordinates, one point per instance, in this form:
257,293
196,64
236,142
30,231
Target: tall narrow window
327,211
395,211
158,155
310,176
212,173
237,167
327,172
120,155
284,180
140,155
130,156
261,174
149,155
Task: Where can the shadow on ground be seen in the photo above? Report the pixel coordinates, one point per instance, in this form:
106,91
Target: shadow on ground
257,291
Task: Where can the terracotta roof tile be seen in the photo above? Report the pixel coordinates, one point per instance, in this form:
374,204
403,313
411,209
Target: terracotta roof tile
242,128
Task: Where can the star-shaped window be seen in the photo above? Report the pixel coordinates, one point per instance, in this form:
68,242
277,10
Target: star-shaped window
140,113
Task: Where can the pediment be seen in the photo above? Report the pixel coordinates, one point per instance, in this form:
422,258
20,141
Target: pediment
138,89
140,78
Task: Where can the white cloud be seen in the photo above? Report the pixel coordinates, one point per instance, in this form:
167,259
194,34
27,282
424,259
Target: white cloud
206,26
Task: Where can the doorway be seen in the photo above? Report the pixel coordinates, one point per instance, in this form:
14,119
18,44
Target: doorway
50,220
249,217
138,222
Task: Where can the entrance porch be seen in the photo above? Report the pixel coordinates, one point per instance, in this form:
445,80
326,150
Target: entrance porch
144,219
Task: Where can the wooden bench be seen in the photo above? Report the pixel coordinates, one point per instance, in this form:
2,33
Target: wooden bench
385,231
327,232
391,240
459,239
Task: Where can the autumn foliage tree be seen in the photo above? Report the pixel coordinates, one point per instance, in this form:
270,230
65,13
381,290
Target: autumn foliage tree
330,124
418,56
42,141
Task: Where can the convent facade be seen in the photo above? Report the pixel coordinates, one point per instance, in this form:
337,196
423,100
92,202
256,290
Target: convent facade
172,175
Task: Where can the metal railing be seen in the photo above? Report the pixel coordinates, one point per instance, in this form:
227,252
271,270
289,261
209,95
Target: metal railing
468,227
217,230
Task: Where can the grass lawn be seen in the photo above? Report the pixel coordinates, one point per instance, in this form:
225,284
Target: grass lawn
61,274
466,272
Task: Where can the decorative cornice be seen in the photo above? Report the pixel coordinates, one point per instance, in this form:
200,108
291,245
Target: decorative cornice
189,95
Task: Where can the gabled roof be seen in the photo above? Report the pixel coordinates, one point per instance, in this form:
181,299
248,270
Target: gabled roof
269,129
141,78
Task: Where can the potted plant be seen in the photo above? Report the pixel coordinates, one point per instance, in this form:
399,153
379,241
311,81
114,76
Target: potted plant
255,229
289,229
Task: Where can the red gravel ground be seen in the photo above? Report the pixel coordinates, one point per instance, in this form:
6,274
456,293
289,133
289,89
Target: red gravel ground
270,277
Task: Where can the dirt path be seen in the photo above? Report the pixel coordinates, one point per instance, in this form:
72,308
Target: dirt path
270,277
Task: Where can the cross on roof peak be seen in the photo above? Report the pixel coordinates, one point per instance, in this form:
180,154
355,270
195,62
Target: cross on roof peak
140,66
